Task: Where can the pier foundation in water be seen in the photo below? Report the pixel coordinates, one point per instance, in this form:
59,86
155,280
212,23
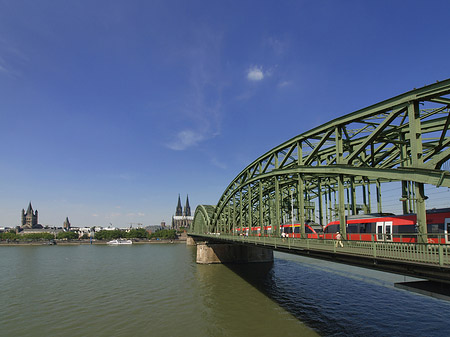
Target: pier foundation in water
208,253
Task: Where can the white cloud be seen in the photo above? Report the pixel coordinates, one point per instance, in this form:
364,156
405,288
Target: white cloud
255,73
185,139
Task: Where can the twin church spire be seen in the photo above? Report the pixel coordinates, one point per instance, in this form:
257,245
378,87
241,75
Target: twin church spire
187,208
182,218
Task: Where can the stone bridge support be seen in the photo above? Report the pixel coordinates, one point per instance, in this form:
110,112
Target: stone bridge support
209,252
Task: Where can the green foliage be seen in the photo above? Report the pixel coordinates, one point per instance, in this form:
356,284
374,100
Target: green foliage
139,233
85,236
135,233
37,236
165,234
67,235
11,235
109,235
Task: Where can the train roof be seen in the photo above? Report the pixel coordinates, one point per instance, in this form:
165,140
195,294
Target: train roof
368,216
380,215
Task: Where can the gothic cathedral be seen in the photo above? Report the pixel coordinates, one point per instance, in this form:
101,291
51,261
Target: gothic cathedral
182,218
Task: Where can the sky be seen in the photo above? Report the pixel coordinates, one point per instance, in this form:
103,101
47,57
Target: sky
109,110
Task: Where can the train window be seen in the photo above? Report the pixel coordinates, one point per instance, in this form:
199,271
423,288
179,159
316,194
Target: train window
435,228
360,227
297,229
368,227
353,228
317,228
308,229
405,229
331,228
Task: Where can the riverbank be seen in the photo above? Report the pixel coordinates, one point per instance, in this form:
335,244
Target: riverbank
84,242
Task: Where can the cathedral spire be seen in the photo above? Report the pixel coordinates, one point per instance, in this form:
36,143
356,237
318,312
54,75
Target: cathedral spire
179,211
187,208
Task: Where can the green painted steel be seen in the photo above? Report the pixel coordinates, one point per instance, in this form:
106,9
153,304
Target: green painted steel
404,138
435,254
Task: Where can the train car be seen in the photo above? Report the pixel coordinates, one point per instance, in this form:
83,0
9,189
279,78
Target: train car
255,231
312,230
394,228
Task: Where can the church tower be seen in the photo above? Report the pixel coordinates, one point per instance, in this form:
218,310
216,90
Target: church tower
66,224
30,218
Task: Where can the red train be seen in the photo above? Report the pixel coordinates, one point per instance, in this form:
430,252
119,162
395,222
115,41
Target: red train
313,231
394,228
367,227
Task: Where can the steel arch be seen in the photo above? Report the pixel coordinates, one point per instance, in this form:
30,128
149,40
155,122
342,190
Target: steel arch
400,139
202,219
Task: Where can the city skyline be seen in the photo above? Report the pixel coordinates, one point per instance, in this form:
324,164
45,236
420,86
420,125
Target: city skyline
110,110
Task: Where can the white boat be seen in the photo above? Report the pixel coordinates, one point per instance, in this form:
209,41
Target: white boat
120,242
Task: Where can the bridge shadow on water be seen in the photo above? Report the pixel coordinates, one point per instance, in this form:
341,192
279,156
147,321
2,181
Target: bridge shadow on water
340,300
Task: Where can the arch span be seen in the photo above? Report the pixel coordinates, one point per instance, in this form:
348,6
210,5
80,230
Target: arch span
202,219
318,174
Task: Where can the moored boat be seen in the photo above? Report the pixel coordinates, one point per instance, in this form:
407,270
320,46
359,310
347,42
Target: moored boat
120,242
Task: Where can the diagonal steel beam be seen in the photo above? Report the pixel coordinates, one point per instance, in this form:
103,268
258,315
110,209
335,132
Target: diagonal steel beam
374,134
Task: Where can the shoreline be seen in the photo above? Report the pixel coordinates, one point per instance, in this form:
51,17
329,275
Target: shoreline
84,242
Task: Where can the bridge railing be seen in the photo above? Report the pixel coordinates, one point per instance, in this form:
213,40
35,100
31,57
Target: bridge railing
429,253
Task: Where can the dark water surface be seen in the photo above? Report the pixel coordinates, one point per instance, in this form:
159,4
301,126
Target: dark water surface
159,290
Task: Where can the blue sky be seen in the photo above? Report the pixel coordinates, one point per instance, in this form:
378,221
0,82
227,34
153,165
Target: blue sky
110,109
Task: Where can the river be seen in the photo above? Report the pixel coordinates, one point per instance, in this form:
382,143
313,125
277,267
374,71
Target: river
159,290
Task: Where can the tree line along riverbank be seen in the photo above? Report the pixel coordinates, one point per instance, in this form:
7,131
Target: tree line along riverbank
101,237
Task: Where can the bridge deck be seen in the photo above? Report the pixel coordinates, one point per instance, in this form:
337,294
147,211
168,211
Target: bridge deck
429,261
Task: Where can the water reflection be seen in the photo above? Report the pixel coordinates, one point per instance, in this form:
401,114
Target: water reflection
238,308
340,300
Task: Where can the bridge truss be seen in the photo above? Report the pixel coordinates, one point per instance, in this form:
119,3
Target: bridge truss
319,175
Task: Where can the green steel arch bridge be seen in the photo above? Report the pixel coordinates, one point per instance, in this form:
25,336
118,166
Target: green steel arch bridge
337,170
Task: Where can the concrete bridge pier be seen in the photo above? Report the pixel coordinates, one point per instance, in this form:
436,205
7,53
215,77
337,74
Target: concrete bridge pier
208,252
190,241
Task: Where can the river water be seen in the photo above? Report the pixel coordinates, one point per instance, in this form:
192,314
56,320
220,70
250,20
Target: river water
159,290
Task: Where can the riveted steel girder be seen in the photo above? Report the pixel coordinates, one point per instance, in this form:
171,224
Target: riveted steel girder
404,138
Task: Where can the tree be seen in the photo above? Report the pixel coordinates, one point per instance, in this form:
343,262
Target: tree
37,236
109,235
139,233
67,235
11,235
167,234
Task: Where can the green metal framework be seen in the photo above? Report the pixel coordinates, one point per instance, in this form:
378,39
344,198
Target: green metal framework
404,138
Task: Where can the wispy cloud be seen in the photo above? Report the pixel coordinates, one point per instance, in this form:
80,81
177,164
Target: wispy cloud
185,139
132,214
218,163
5,68
283,84
202,107
278,46
10,56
